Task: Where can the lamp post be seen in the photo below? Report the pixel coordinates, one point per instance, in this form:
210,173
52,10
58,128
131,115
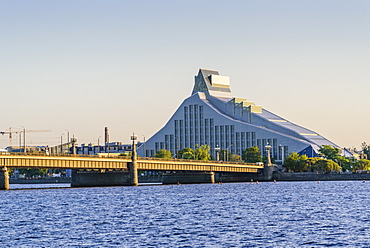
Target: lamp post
133,165
61,143
67,136
268,149
99,144
24,139
144,146
227,152
217,149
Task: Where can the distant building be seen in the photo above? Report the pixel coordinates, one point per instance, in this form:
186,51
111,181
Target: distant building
28,149
113,147
213,116
355,153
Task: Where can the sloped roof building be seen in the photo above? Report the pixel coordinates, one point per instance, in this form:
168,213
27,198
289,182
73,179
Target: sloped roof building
213,116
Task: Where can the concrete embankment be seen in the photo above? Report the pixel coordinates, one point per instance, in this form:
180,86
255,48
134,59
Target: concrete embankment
52,180
42,180
320,177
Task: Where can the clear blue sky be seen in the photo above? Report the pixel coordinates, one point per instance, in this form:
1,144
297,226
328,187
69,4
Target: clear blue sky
83,65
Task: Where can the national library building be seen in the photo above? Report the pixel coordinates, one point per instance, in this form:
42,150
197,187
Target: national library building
213,116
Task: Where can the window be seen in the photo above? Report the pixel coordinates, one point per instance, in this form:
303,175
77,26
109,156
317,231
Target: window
182,134
237,143
259,145
253,138
242,139
222,137
227,136
167,142
157,148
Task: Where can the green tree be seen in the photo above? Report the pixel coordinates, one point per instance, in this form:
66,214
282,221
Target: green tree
347,164
366,149
252,155
362,164
235,158
33,172
125,154
202,153
326,165
296,163
185,153
224,155
312,163
163,154
329,152
10,171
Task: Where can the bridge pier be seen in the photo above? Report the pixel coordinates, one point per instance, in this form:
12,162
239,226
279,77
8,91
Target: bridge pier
4,178
188,177
96,178
230,177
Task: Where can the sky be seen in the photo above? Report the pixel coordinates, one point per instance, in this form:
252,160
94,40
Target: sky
79,66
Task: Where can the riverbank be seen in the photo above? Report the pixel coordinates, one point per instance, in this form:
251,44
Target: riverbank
53,180
41,180
293,176
308,176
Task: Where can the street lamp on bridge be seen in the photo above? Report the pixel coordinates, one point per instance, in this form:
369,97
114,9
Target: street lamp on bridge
268,150
217,150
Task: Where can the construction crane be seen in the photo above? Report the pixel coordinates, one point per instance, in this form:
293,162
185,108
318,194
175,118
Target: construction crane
24,131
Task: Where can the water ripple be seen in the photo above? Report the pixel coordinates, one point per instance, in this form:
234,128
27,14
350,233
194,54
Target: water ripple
287,214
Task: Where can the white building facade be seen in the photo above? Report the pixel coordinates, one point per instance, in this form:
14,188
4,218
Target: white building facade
213,116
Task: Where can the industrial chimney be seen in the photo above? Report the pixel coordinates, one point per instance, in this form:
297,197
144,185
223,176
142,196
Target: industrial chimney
106,135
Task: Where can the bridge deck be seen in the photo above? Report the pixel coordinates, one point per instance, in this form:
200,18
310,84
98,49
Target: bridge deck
75,162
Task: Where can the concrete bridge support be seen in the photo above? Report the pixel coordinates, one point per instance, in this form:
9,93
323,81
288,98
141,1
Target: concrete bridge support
188,177
268,172
100,178
227,177
4,178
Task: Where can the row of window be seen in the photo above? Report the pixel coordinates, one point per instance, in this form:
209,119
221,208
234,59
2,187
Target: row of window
195,130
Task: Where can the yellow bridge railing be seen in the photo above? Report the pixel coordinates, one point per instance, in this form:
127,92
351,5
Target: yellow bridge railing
121,162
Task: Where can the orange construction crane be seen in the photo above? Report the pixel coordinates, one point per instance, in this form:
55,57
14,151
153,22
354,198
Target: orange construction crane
10,132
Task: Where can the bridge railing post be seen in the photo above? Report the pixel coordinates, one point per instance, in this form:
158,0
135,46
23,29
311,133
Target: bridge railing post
4,178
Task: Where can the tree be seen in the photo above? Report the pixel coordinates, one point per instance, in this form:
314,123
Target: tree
185,153
366,150
252,155
235,158
296,163
325,165
202,153
362,164
347,164
329,152
125,154
224,155
33,172
163,154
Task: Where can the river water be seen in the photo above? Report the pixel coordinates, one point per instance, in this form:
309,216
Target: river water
286,214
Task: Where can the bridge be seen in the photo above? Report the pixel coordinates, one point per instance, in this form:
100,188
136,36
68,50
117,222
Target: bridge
122,170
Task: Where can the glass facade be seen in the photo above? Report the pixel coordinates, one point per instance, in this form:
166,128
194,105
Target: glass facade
195,130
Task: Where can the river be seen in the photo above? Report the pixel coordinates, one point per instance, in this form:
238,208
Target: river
286,214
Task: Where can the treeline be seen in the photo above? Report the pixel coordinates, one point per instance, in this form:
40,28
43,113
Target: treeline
329,159
250,155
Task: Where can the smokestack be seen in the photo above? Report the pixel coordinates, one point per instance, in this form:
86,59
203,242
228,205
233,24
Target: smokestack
106,135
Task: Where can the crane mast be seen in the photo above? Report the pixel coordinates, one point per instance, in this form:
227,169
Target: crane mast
24,131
